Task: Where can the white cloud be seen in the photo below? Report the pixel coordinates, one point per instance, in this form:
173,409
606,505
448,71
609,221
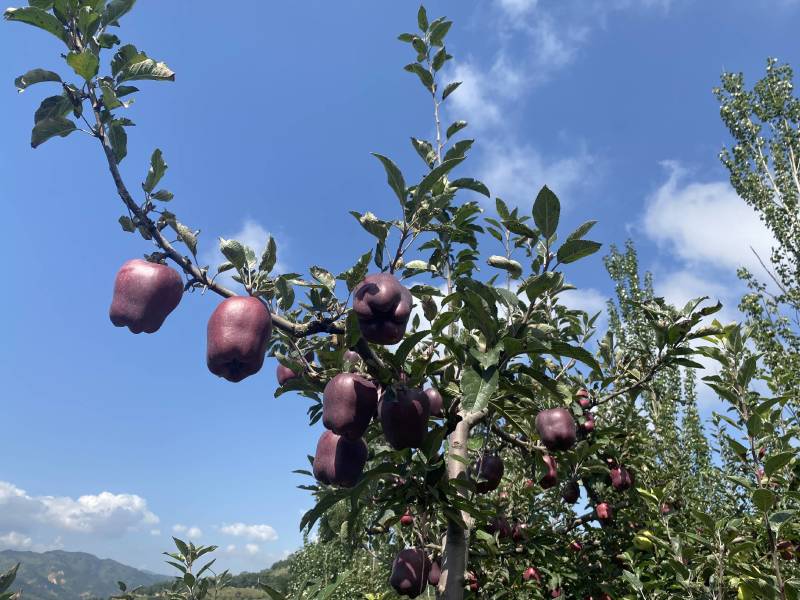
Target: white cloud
516,173
15,541
263,533
252,549
516,8
706,223
192,532
105,514
231,548
155,532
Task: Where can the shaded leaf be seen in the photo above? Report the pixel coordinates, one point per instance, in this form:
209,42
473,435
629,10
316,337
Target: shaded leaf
450,88
48,128
573,250
394,176
157,169
478,388
546,212
38,18
35,76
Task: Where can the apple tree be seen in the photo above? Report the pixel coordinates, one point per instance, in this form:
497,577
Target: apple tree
476,441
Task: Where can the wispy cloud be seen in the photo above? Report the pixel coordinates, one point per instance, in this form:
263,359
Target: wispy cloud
192,532
263,533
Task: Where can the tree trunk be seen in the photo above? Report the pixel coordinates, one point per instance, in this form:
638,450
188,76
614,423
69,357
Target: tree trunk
456,547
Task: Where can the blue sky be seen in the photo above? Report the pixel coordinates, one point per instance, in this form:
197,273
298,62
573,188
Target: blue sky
112,441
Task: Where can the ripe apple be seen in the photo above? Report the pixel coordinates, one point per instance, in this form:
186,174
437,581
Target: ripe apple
550,477
238,334
500,526
472,581
520,532
532,573
588,425
404,412
583,398
604,512
570,492
407,518
488,472
436,402
556,428
348,404
575,546
410,571
339,461
144,295
435,573
284,373
383,306
621,479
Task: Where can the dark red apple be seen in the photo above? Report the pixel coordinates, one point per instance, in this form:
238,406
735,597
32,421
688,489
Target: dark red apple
339,461
410,572
588,425
665,508
556,593
488,472
238,334
583,398
383,306
556,428
404,412
435,401
285,374
532,573
500,526
570,492
520,532
575,546
435,573
604,512
407,518
351,357
550,478
621,479
348,404
472,581
144,295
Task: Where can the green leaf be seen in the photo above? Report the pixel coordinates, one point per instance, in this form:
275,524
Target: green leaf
88,21
573,250
48,128
355,274
157,169
181,546
455,128
35,76
186,235
119,140
439,31
581,230
269,257
449,89
371,223
512,267
107,40
538,285
272,593
422,19
85,64
424,75
324,277
38,18
43,4
467,183
234,252
546,212
432,178
163,195
127,224
477,388
146,69
576,352
7,578
116,9
285,293
763,499
110,99
52,108
776,462
394,177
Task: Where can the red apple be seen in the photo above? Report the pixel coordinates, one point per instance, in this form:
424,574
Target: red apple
238,334
383,306
410,571
144,295
348,404
604,512
404,415
556,428
621,479
550,477
435,401
532,573
407,519
339,461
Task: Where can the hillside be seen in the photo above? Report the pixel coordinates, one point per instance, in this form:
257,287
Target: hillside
59,575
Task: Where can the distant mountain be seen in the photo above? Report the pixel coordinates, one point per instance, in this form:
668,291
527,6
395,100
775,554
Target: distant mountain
59,575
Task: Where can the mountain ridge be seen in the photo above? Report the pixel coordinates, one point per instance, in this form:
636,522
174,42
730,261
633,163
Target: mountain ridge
63,575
